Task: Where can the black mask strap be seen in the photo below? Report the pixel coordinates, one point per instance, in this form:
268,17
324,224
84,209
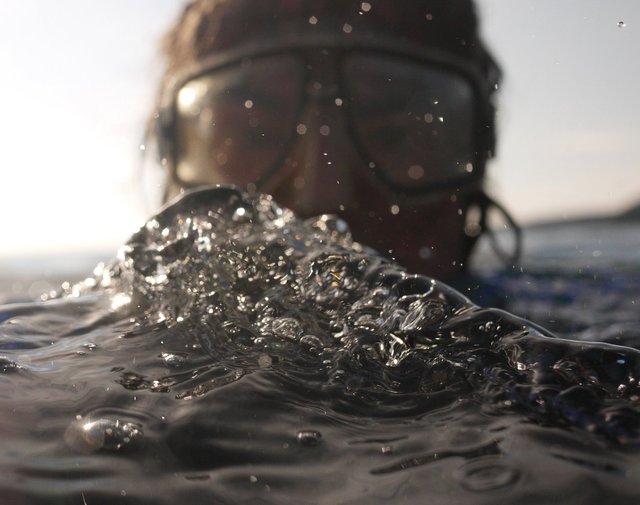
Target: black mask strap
483,203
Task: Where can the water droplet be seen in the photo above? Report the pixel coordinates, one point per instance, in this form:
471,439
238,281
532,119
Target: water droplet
301,129
242,215
347,28
415,172
313,20
248,104
161,278
325,130
120,300
395,210
365,6
222,158
172,359
308,437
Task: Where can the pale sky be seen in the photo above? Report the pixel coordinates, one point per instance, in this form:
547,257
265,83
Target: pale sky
79,80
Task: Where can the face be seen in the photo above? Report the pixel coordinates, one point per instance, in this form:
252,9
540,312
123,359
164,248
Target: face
363,134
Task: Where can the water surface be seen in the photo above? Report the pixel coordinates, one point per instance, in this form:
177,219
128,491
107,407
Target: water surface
234,354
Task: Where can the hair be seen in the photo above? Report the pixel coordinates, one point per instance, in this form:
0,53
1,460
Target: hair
450,25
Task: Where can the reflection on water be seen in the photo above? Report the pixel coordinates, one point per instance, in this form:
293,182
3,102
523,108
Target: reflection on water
233,354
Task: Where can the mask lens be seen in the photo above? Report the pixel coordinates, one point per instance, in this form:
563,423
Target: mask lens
234,124
414,122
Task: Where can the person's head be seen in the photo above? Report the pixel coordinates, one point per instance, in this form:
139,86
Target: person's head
378,111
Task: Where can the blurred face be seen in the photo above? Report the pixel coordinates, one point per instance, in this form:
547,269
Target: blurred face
382,137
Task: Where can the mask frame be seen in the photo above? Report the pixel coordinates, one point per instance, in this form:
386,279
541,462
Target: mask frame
482,87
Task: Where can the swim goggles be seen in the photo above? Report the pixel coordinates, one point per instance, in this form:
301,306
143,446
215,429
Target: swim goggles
420,119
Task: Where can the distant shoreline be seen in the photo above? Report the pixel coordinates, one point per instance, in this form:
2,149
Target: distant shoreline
631,215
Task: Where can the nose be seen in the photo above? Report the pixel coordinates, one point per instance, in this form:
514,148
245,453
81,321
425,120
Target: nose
320,166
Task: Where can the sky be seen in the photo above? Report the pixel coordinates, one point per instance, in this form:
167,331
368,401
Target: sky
79,80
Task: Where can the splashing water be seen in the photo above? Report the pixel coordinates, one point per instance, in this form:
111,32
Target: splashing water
235,354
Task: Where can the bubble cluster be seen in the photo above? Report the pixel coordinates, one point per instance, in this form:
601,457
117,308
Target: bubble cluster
264,290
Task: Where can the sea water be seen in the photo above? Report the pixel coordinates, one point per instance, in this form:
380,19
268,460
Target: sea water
235,354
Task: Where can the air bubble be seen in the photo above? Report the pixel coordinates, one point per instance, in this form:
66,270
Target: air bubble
308,437
172,359
425,253
87,435
287,328
311,341
264,361
487,474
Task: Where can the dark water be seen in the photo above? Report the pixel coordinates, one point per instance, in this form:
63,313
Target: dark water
233,354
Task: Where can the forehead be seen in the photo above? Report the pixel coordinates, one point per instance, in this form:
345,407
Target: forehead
446,25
